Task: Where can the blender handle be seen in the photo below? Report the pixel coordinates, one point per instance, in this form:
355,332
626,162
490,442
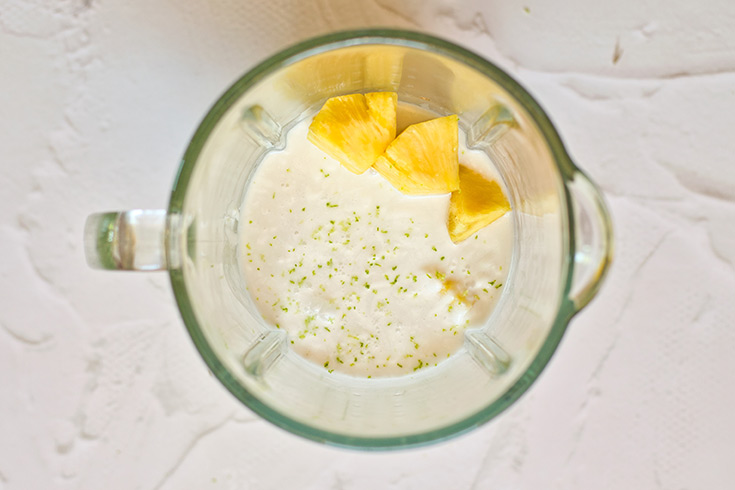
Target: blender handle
593,239
127,240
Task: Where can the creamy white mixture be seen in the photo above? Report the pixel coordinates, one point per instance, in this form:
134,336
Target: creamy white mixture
363,279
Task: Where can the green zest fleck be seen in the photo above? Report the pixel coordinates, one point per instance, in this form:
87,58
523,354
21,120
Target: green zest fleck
330,205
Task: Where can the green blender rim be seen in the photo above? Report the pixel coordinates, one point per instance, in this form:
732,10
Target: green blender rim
339,40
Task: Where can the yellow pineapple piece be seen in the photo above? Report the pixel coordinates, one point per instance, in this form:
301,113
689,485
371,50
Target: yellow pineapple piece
355,129
423,158
476,204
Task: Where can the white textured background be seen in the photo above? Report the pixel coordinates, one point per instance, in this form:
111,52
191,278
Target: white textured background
102,388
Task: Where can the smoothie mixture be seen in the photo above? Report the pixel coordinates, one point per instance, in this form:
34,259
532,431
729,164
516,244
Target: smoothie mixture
364,279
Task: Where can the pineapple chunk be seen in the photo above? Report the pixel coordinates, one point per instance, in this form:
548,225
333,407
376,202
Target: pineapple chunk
355,129
423,158
476,204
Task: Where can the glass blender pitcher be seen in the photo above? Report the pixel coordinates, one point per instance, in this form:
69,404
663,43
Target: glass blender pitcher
562,241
